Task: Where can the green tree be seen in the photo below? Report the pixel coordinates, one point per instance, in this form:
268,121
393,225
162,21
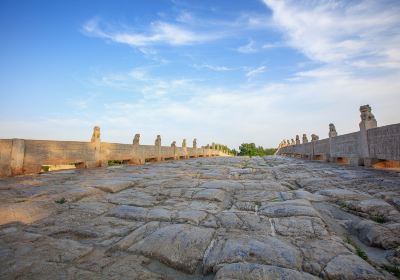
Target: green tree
250,149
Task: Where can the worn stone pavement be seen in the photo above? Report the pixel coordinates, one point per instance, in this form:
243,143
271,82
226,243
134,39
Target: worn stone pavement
206,218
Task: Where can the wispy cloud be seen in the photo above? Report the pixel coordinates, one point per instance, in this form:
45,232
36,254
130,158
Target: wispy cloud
214,67
256,71
250,47
157,33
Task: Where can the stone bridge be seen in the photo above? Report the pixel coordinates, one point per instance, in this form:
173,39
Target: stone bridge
19,156
371,146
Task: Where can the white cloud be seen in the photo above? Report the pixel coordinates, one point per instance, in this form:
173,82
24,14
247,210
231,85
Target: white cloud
274,45
361,33
158,33
253,72
214,68
250,47
264,114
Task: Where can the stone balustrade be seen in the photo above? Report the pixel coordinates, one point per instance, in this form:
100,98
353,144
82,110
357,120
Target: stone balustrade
22,156
370,146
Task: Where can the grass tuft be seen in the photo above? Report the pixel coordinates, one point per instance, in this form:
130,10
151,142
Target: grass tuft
61,200
379,218
392,269
359,251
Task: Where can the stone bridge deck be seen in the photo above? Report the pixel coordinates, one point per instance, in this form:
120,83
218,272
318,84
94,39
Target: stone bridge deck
208,218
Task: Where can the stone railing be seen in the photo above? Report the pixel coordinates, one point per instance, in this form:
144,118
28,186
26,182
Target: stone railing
370,146
20,156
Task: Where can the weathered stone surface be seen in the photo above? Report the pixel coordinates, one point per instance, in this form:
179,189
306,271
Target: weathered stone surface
191,216
375,208
342,194
376,235
350,267
239,217
289,208
263,250
133,197
129,212
112,186
246,271
210,194
180,246
300,226
319,252
222,184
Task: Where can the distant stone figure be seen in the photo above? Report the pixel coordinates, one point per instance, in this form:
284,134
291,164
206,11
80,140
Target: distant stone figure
194,143
314,137
332,130
158,141
297,139
367,118
173,144
292,141
288,142
184,143
136,139
96,134
305,139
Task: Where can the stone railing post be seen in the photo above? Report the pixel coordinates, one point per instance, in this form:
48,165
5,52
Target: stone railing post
332,133
173,146
368,121
195,147
137,155
314,138
157,148
96,144
184,148
297,140
17,157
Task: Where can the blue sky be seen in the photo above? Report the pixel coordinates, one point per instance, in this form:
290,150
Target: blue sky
223,71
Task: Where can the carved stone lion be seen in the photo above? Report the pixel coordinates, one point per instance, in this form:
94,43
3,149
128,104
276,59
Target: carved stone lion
158,141
96,134
136,139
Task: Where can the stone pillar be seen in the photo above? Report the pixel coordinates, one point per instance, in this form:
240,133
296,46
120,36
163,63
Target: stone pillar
137,155
157,148
368,121
17,157
305,139
96,145
195,147
332,134
184,148
173,146
297,140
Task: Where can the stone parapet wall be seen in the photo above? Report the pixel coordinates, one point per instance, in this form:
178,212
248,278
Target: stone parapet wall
384,142
366,147
20,156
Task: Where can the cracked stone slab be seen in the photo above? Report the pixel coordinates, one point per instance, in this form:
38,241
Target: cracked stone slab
298,226
245,271
179,246
262,250
350,267
289,208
